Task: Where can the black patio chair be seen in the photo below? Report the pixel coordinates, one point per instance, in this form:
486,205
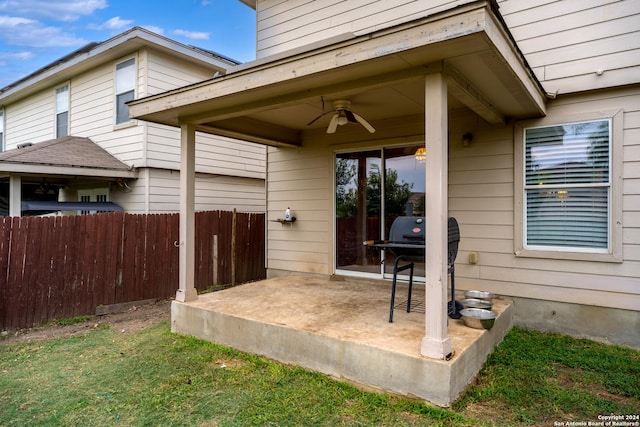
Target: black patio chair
453,240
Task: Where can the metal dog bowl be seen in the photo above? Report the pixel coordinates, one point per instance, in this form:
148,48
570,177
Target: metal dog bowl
477,303
487,296
478,318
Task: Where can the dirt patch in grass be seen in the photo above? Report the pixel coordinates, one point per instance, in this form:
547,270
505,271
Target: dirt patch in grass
133,319
573,378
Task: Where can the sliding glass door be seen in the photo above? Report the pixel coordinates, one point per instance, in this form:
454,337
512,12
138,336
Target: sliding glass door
372,189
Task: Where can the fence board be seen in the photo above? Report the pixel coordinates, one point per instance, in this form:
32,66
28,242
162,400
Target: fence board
37,270
5,232
18,256
55,267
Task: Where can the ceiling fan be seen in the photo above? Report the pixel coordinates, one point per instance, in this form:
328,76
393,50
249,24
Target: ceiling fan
342,115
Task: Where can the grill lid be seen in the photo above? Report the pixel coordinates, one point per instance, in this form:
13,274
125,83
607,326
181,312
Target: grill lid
407,229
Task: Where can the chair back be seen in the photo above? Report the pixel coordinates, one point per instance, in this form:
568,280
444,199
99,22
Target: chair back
453,240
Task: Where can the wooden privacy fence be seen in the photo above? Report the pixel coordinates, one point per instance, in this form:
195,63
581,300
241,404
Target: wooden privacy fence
65,266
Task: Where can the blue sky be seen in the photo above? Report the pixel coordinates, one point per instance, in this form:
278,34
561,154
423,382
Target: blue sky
34,33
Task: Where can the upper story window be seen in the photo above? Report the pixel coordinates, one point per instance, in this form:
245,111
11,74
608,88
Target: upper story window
62,111
1,130
125,89
570,202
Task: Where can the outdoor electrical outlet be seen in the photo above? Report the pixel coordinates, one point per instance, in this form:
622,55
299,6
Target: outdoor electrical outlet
473,258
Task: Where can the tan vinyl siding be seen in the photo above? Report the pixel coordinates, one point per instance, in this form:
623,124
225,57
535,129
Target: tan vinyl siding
483,203
125,144
285,25
164,73
92,115
300,179
571,46
482,197
567,43
133,200
30,120
221,155
214,154
212,192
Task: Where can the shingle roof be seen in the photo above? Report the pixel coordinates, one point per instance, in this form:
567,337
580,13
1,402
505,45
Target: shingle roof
68,151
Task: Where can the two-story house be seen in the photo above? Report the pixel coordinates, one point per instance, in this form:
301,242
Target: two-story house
520,119
68,142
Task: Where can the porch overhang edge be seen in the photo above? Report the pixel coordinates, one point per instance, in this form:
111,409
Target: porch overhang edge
34,169
291,73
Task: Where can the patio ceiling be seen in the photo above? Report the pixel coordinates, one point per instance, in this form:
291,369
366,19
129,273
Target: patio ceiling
271,100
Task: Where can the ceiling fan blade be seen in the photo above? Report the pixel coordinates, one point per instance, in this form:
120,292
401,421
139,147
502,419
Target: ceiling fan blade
350,116
333,124
319,117
364,123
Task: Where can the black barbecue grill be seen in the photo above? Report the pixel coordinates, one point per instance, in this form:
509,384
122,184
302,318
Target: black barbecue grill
407,244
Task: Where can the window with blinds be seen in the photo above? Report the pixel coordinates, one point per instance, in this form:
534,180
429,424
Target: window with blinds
567,187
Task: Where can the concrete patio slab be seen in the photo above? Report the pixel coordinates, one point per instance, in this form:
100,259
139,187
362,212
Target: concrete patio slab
340,328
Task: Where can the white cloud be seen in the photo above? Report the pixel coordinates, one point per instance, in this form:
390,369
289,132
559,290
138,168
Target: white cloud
16,56
27,32
14,21
115,23
59,10
192,35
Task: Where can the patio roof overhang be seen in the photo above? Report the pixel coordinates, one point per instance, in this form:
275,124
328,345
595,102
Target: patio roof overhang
34,169
271,100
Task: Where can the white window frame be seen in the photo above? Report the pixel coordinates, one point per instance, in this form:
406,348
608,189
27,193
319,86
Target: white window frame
124,87
2,132
614,250
62,105
93,195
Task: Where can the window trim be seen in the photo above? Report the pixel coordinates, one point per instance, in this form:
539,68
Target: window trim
129,122
614,254
57,113
3,135
93,195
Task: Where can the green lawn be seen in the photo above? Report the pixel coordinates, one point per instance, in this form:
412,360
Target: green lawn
156,378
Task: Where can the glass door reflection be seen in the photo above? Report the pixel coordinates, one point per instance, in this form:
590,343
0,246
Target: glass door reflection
372,189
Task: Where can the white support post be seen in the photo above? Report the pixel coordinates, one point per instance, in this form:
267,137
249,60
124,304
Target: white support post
15,195
436,343
187,291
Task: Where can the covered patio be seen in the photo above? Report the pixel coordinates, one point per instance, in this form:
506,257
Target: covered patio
340,327
406,81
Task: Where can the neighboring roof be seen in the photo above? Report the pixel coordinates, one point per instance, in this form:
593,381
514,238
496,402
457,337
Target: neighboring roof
71,154
92,54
